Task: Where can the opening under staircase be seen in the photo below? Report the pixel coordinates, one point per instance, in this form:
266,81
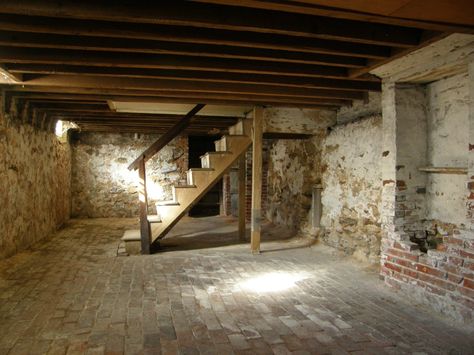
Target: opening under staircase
199,181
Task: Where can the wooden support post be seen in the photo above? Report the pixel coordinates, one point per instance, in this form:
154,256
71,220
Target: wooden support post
242,201
145,234
257,138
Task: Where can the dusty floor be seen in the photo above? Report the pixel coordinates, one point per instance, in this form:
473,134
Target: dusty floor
73,295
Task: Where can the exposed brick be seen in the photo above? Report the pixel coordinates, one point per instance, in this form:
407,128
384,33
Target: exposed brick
403,254
393,267
452,240
468,283
410,273
455,278
468,292
466,254
437,282
430,271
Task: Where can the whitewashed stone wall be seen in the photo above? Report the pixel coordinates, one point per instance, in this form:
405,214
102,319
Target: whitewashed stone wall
35,185
448,138
293,170
102,184
351,195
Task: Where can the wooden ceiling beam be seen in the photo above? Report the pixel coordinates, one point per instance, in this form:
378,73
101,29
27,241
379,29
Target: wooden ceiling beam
165,88
311,8
220,18
82,43
201,36
148,130
152,97
105,59
216,77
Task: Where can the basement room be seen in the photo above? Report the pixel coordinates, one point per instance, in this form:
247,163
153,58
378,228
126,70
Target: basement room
237,177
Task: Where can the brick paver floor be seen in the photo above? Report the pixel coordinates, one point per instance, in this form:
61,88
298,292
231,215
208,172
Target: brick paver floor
72,294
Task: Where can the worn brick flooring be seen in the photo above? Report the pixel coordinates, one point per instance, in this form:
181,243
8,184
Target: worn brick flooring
72,294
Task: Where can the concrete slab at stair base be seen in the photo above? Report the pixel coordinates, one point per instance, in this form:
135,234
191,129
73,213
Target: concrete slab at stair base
132,241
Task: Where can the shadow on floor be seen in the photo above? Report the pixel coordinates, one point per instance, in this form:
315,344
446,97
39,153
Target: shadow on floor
218,231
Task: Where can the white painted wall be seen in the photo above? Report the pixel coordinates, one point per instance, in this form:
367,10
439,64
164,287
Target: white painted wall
447,146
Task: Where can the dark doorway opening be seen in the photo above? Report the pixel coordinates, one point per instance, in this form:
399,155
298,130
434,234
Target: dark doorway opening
210,203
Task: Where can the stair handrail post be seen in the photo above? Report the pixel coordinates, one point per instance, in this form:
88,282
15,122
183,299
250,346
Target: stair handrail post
145,232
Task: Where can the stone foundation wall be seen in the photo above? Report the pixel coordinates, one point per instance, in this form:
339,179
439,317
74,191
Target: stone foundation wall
102,184
293,170
35,185
352,188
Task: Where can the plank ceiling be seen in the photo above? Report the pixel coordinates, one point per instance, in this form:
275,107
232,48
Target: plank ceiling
71,59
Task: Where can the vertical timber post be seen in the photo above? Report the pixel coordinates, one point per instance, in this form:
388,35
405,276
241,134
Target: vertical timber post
144,224
257,147
242,201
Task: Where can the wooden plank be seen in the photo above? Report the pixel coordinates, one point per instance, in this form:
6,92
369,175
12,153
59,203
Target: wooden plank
242,201
190,35
145,233
174,62
352,10
185,87
427,38
257,147
82,43
215,77
220,18
444,170
152,97
166,138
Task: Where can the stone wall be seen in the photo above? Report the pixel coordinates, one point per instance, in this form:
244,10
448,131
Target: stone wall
35,185
293,170
351,195
102,184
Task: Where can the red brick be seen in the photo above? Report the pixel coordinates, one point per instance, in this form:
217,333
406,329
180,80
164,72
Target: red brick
455,278
466,254
435,290
468,283
410,273
403,254
393,267
469,265
466,292
430,271
437,282
401,277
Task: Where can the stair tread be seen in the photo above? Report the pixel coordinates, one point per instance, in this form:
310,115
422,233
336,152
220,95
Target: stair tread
154,218
131,235
216,153
201,169
184,186
167,203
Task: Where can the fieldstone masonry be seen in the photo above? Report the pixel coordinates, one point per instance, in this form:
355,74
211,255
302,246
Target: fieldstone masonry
102,184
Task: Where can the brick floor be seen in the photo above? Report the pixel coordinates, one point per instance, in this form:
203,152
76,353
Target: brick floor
72,294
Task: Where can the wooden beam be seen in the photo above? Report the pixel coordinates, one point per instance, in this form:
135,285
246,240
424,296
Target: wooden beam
366,83
338,11
82,43
185,88
242,201
174,62
190,35
220,18
145,231
256,219
154,97
166,138
428,38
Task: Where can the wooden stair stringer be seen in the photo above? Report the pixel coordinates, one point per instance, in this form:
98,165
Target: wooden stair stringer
203,180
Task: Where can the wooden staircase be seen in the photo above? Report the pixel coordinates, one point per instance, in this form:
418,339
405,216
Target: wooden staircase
199,181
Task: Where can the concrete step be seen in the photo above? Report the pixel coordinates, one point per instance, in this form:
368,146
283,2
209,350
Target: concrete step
132,241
